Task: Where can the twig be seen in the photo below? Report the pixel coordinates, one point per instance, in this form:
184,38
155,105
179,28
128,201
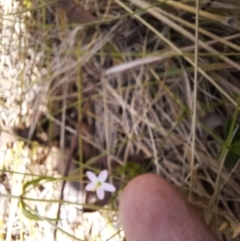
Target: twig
74,145
72,148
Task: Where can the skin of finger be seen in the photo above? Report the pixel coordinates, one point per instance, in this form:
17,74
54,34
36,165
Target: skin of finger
152,209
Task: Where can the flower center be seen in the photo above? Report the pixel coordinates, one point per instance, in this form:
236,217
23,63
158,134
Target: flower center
98,184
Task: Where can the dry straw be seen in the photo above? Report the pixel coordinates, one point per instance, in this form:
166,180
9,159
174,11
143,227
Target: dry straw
138,80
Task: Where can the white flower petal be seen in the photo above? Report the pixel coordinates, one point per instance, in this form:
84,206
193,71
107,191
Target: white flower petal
108,187
90,187
103,176
100,193
91,176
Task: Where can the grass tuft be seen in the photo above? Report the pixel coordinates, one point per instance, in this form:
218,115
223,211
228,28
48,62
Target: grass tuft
145,86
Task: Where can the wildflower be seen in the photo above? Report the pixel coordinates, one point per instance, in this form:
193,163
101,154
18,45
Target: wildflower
98,184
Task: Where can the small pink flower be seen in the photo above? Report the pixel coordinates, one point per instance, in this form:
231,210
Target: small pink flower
98,184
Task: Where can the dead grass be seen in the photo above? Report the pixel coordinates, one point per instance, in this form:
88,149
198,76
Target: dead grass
155,79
